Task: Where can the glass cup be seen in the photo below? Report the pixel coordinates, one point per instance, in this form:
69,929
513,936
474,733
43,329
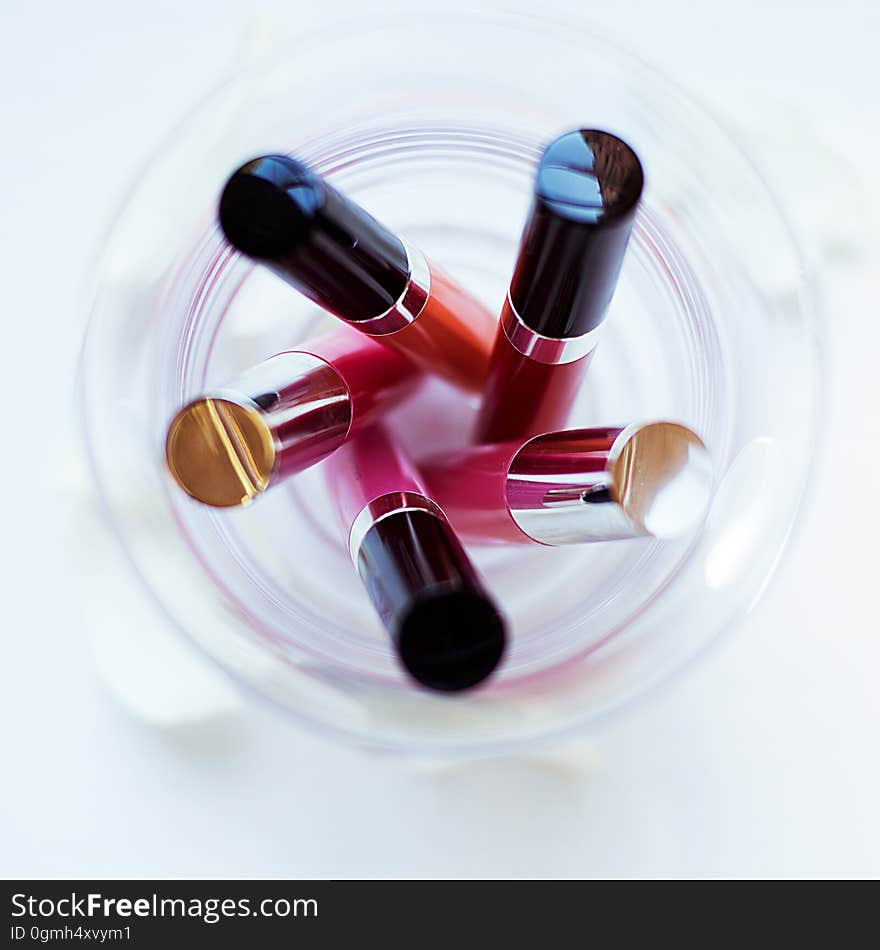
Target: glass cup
434,125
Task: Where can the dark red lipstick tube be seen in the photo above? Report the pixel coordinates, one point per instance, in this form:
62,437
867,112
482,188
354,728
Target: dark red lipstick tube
447,632
587,188
652,479
229,445
279,212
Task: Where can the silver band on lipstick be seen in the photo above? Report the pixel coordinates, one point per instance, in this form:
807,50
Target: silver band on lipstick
545,349
290,386
409,304
383,506
653,480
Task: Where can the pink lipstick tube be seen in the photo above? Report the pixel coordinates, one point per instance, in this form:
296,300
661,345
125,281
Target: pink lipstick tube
282,416
587,188
446,630
651,479
279,212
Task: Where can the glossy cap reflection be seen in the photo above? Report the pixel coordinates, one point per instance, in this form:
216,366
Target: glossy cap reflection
662,478
219,452
590,177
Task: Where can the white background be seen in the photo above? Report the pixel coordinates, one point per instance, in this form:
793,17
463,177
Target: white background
762,760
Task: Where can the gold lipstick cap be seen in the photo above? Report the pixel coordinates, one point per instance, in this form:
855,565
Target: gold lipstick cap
220,452
226,447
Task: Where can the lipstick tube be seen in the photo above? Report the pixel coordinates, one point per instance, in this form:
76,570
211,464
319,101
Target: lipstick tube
651,479
276,210
446,630
282,416
587,188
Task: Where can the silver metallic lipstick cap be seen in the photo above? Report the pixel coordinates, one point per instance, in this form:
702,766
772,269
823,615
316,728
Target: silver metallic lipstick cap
650,479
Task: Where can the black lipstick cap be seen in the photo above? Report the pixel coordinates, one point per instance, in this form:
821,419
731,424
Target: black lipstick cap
587,188
278,211
447,631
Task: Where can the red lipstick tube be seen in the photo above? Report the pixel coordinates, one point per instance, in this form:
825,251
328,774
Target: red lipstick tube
587,188
279,212
652,479
282,416
447,632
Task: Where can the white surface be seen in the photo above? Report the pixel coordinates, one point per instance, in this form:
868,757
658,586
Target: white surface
761,760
